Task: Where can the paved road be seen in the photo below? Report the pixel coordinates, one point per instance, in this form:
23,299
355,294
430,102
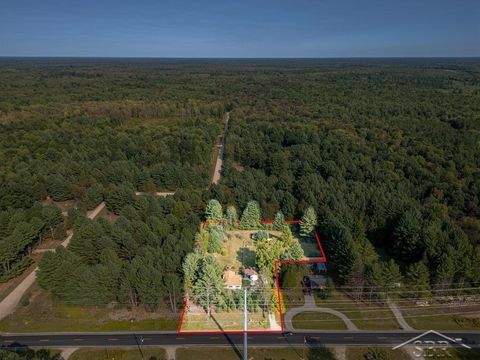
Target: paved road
323,338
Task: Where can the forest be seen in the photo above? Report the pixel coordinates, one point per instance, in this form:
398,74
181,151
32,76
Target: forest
387,152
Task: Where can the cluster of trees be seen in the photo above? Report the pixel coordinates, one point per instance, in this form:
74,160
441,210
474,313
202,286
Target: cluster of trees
21,230
135,261
205,286
203,276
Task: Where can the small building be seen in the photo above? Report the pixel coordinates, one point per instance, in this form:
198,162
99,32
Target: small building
251,275
233,280
317,282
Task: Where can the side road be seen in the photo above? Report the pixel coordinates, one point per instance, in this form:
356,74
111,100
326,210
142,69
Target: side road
8,305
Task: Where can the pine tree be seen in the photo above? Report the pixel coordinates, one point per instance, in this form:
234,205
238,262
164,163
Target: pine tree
94,195
232,216
294,251
214,212
309,221
279,221
418,280
251,216
52,216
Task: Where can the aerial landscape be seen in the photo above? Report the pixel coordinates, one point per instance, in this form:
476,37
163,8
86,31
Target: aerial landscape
244,204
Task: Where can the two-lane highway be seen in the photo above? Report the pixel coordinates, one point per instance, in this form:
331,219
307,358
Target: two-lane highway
326,338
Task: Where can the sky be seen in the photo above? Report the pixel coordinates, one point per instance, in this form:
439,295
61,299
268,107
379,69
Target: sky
240,28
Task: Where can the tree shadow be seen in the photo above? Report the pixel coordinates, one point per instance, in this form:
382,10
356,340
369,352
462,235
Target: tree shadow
229,340
246,257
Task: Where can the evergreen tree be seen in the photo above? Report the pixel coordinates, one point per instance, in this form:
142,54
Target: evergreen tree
53,217
214,212
250,216
309,221
408,235
232,216
94,195
294,251
279,221
418,280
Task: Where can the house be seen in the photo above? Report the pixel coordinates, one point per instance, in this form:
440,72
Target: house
250,274
233,280
316,282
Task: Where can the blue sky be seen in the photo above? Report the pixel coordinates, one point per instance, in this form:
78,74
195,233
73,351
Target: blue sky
240,28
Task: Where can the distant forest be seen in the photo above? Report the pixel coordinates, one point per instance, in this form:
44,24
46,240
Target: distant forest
386,151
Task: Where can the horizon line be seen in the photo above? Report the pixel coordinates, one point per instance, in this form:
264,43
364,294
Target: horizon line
232,58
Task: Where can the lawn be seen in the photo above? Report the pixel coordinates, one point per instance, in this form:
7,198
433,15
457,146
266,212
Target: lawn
442,316
308,243
221,321
374,316
239,250
43,314
283,353
119,354
317,321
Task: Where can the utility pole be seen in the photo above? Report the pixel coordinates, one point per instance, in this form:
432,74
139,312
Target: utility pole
245,346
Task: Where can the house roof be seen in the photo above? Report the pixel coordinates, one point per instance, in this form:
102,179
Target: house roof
249,272
231,278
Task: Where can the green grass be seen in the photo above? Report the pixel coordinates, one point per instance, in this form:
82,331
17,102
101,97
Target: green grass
317,321
365,316
43,314
284,353
442,317
225,321
239,250
118,354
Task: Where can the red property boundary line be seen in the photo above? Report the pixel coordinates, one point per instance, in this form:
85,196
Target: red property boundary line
322,259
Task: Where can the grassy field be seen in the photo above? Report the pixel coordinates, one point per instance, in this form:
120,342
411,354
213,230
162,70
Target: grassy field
442,316
118,354
284,353
225,321
43,313
317,321
366,316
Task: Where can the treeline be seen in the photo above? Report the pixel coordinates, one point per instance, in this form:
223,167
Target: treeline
134,262
21,230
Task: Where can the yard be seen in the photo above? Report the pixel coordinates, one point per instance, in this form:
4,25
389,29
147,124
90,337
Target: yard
221,321
239,250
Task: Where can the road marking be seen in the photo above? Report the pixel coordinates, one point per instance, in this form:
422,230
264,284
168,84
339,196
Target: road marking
348,337
180,338
279,337
382,337
112,339
214,337
77,339
147,338
44,340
